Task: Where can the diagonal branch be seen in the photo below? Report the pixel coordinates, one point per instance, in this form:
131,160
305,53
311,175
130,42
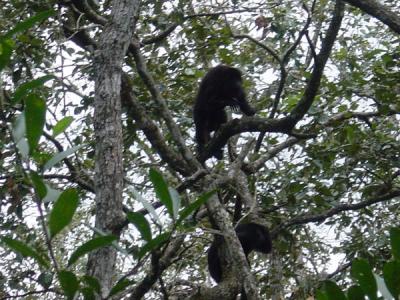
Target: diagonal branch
75,173
148,80
160,262
312,218
379,11
162,35
320,61
282,64
84,7
151,130
233,251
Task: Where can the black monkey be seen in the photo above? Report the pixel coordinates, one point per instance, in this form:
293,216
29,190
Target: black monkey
220,87
252,236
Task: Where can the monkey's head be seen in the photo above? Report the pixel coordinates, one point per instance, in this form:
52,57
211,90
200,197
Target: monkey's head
232,87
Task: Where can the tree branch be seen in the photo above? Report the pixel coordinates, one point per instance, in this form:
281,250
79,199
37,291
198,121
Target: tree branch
89,12
313,84
162,105
245,124
151,130
282,64
75,174
159,263
378,11
233,249
162,35
359,115
312,218
284,125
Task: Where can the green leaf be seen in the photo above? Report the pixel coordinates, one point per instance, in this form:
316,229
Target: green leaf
382,288
52,194
92,282
176,201
63,211
153,244
62,125
45,279
91,245
19,128
88,293
6,48
27,87
69,283
141,224
395,242
23,148
40,187
194,206
321,295
350,134
60,156
391,275
146,204
28,23
35,117
120,286
161,189
19,132
332,291
355,293
25,251
362,272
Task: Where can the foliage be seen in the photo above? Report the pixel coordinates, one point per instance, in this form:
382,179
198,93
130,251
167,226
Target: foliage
370,283
329,189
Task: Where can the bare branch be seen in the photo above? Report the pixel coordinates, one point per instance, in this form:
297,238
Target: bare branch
312,218
360,115
88,11
282,62
259,163
261,45
30,293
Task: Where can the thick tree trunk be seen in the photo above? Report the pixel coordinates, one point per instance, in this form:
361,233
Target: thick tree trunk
108,63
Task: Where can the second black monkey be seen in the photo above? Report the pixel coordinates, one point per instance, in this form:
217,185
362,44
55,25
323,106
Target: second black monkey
252,237
220,87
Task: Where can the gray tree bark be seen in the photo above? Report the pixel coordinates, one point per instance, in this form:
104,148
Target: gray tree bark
108,61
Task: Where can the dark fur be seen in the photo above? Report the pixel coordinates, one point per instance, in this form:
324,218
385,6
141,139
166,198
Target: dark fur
220,87
252,236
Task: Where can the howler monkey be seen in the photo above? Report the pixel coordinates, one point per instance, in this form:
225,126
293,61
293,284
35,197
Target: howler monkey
220,87
252,236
